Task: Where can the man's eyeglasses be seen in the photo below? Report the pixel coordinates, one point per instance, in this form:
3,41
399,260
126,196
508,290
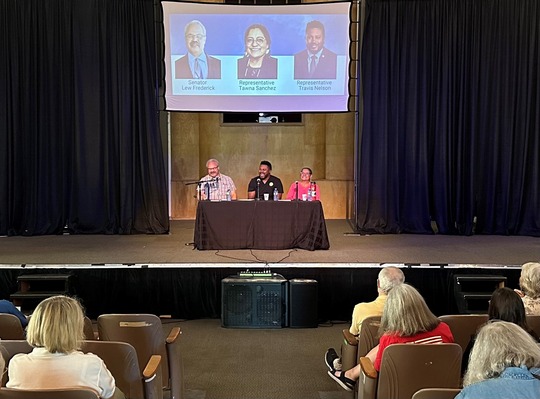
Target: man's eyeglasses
259,40
198,37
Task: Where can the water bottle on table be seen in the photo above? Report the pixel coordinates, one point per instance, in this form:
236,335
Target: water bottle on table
276,194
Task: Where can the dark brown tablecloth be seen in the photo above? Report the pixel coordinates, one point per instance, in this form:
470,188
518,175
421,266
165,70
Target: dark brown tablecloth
260,225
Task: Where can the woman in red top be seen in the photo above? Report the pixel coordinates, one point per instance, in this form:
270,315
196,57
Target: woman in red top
406,319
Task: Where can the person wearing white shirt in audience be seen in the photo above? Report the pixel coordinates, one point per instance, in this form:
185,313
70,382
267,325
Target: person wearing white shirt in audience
55,331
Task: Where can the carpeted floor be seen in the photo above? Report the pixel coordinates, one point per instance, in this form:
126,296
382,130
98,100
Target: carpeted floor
287,363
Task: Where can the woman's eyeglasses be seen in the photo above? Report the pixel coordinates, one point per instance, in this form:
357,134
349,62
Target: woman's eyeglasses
258,40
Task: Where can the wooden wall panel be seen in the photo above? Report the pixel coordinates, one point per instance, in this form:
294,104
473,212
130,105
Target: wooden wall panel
324,142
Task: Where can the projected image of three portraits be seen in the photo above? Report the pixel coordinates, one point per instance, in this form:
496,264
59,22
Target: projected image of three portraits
248,58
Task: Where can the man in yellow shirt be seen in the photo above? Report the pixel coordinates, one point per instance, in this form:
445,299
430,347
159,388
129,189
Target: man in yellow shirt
387,279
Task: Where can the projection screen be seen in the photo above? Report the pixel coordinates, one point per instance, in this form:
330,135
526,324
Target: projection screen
233,58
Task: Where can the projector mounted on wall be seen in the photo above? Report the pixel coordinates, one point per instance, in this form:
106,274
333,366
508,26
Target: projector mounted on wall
268,119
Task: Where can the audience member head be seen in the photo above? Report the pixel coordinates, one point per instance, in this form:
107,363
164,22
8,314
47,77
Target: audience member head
57,325
529,281
406,313
389,277
500,345
506,305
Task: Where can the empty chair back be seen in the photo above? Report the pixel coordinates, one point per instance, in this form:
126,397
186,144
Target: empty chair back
10,327
369,335
534,324
143,331
121,360
353,348
407,368
10,348
88,329
464,326
68,393
436,393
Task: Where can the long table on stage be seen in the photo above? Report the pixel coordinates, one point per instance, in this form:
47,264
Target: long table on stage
260,225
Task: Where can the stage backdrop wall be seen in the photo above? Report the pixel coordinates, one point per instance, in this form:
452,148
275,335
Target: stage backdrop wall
323,142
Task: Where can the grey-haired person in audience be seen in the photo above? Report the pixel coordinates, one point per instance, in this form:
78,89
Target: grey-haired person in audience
388,278
529,283
504,364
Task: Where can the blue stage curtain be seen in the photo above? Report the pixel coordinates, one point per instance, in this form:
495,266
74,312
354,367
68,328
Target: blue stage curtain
80,146
451,126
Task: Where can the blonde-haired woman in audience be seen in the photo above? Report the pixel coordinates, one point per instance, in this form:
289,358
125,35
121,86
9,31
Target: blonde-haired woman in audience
55,331
406,318
529,282
504,364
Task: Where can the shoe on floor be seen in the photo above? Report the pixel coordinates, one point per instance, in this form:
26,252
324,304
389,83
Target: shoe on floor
330,359
345,383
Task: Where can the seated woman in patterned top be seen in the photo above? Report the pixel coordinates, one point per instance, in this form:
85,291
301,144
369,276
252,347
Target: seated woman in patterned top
529,282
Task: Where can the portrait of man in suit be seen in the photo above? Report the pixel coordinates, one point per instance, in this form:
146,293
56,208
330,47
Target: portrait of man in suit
196,64
316,61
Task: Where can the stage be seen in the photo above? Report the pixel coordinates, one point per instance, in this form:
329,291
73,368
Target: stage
346,250
164,274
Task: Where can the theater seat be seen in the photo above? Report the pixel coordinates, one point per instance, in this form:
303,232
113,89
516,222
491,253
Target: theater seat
145,333
436,393
464,327
407,368
10,327
121,360
68,393
354,348
534,324
88,329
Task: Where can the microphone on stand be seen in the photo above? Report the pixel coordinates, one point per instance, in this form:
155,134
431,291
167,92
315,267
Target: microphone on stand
207,191
258,189
296,183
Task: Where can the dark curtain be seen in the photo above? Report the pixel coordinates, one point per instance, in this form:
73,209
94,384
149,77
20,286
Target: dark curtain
451,128
80,147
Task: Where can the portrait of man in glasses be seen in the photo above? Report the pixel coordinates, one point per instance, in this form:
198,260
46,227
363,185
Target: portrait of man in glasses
196,64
